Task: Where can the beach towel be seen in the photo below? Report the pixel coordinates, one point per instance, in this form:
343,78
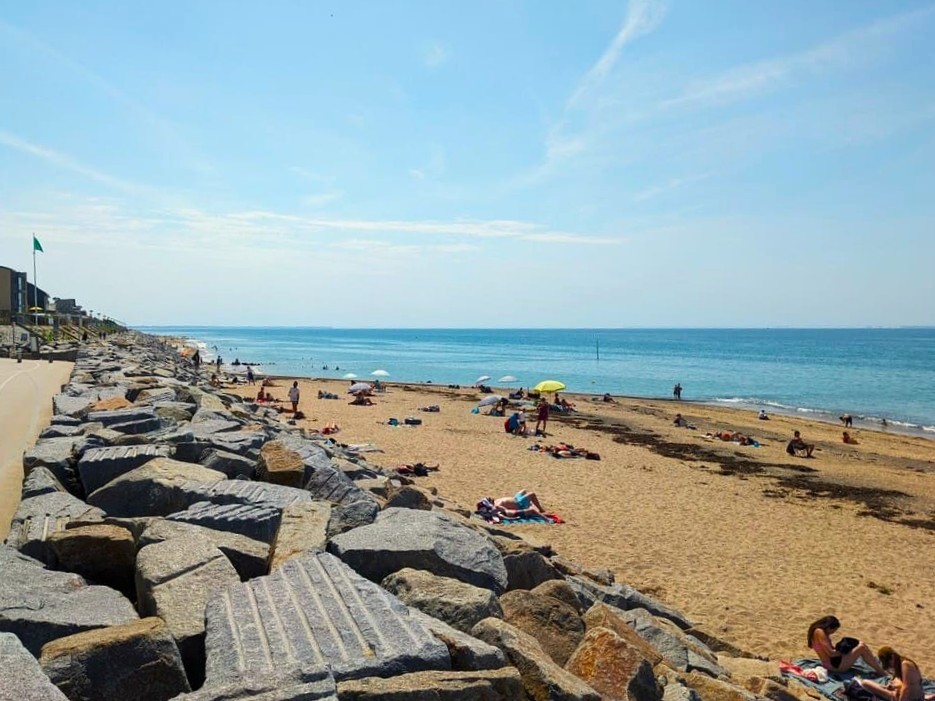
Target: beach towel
363,448
490,517
804,671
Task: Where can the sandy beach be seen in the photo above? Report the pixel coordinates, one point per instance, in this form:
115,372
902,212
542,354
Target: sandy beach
751,543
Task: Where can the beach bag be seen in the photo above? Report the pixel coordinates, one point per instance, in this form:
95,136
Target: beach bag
846,645
855,692
410,421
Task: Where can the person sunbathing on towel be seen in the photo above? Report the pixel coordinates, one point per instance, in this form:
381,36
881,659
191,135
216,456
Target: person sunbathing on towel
522,505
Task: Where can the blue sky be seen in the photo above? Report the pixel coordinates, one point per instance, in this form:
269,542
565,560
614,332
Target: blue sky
475,164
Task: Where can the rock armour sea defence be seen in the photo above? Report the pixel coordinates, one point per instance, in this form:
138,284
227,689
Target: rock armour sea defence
265,560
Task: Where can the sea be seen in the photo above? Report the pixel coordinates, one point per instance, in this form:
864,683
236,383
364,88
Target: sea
872,374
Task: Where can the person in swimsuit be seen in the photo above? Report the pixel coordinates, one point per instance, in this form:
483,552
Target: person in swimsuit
542,417
819,640
907,679
524,503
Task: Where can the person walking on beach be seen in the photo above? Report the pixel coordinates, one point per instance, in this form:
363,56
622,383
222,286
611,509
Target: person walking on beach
251,378
196,361
542,416
294,396
219,363
677,391
847,420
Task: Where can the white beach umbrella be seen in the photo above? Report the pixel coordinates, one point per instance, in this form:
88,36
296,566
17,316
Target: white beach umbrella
380,373
490,399
359,387
507,378
482,378
350,376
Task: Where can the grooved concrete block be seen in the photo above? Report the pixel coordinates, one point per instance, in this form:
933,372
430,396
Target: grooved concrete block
423,540
98,466
23,678
247,492
137,660
122,416
257,521
160,487
39,517
314,612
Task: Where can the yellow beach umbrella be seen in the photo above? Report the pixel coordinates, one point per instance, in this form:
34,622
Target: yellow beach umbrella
549,386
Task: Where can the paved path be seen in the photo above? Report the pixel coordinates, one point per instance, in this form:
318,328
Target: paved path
26,391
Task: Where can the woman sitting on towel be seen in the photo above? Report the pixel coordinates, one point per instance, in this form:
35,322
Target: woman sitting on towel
840,657
907,679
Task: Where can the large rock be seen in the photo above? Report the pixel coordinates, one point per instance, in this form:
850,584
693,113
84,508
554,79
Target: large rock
610,665
258,521
491,685
22,678
554,624
468,654
458,604
117,417
39,605
137,660
527,569
160,487
104,554
423,540
303,527
543,680
174,580
604,616
347,517
66,405
59,456
315,685
98,466
714,689
561,590
248,556
315,611
231,464
40,481
39,517
681,651
407,497
624,597
247,492
280,465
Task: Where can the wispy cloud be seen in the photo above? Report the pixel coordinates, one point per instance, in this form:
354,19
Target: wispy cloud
64,162
844,50
164,130
642,17
322,198
436,55
564,142
670,185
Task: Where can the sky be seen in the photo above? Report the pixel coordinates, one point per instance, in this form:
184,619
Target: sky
486,164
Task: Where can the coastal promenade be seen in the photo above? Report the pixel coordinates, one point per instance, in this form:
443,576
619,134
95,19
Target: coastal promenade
26,391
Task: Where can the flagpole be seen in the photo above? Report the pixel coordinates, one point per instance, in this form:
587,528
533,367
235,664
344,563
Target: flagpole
35,283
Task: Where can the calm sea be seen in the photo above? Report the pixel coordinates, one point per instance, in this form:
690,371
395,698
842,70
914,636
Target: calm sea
870,373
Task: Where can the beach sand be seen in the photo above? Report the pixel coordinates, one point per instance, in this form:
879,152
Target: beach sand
753,545
26,391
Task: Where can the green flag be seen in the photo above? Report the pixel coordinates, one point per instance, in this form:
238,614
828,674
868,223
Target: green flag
36,246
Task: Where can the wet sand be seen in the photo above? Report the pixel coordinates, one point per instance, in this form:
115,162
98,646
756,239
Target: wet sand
26,391
749,542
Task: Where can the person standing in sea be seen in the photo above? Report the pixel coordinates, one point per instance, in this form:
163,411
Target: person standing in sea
294,396
677,391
